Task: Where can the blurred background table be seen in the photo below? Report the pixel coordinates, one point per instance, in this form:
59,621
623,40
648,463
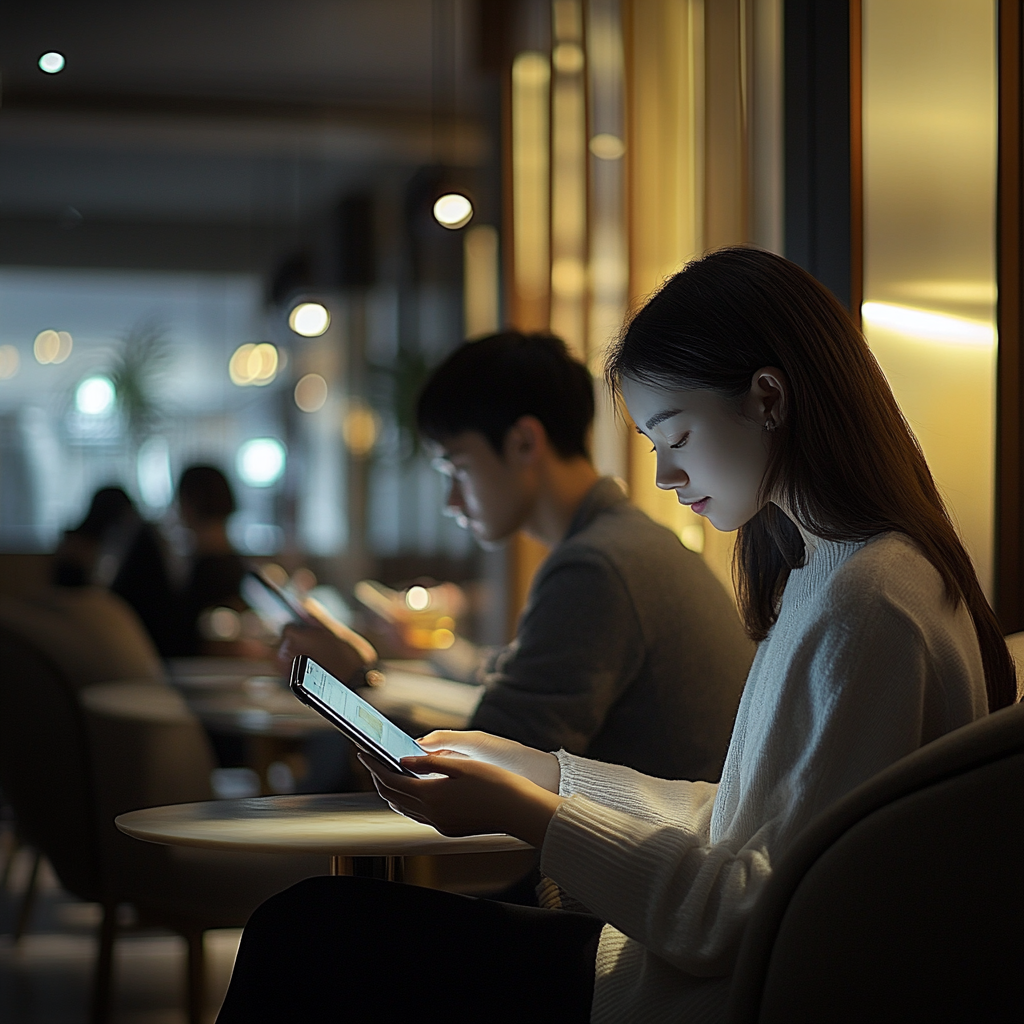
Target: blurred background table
360,833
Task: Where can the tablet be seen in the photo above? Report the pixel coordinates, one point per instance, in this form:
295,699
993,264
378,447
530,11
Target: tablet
274,605
360,721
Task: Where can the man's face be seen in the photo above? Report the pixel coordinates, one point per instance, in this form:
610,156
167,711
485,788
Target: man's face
486,493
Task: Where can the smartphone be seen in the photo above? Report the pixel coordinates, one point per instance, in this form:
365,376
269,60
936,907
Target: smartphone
360,721
271,603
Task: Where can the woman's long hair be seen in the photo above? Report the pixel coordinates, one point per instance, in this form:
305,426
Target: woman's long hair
844,459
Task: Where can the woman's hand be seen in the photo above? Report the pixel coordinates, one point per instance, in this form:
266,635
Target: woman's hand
540,768
472,798
340,657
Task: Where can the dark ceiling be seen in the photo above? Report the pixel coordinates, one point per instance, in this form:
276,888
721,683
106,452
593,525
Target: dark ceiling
199,132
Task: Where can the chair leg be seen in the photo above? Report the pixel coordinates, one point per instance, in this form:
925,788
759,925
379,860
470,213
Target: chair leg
28,899
196,977
102,983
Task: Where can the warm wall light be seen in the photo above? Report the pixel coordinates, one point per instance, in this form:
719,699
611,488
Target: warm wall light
607,146
310,319
95,396
481,280
10,360
52,62
311,393
531,81
261,461
920,323
52,347
253,364
453,210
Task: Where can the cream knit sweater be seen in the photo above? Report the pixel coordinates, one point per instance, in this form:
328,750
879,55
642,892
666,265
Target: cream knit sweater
867,662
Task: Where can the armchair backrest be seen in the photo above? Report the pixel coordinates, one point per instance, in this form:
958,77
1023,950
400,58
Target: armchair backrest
44,764
905,901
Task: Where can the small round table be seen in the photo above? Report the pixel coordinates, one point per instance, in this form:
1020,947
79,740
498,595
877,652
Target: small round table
358,831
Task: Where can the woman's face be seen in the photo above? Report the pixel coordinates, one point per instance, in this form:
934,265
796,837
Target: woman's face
712,453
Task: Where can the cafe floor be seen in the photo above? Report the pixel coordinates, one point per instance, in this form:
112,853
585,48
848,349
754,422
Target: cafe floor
46,978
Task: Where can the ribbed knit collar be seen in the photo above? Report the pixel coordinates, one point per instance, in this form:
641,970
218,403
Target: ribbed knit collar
828,556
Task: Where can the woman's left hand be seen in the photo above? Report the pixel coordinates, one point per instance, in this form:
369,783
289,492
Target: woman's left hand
472,797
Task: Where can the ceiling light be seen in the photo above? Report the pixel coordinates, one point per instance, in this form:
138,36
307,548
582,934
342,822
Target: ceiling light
95,396
51,62
310,319
453,210
261,461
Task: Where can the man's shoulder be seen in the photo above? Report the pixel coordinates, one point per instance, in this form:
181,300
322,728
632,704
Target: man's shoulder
625,540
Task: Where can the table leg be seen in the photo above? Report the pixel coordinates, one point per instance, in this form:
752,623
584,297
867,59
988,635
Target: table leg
389,869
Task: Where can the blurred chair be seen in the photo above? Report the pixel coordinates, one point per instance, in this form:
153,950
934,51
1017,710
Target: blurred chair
92,635
69,765
905,901
1015,645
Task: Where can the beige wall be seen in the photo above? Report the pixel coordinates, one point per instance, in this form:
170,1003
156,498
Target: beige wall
929,238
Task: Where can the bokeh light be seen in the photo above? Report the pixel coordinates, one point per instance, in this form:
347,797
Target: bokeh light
311,393
417,598
453,211
52,346
359,429
607,147
95,396
52,62
254,364
310,319
10,361
261,461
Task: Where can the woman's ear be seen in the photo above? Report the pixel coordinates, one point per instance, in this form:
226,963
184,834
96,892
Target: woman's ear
767,402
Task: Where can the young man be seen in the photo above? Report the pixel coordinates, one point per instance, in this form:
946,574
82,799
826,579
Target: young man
629,649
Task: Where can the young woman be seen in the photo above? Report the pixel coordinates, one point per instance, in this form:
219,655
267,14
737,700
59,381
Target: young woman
768,415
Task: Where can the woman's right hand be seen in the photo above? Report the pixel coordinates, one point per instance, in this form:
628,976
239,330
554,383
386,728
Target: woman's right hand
539,767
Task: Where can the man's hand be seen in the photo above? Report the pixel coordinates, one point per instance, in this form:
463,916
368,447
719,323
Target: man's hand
540,768
472,798
338,656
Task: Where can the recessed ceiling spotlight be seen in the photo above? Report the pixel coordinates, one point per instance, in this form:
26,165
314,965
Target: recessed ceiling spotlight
453,210
51,62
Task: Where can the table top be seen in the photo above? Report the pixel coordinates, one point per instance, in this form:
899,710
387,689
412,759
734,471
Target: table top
345,825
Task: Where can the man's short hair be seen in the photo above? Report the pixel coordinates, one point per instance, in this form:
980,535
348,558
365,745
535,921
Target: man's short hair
487,385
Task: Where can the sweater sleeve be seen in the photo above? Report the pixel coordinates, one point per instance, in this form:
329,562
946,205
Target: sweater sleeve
578,648
686,877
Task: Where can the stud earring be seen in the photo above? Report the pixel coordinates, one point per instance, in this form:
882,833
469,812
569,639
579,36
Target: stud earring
769,424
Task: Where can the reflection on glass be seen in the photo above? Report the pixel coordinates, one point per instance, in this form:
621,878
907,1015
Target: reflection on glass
929,252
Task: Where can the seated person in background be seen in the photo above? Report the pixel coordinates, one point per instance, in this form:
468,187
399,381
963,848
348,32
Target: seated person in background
629,649
114,547
205,503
